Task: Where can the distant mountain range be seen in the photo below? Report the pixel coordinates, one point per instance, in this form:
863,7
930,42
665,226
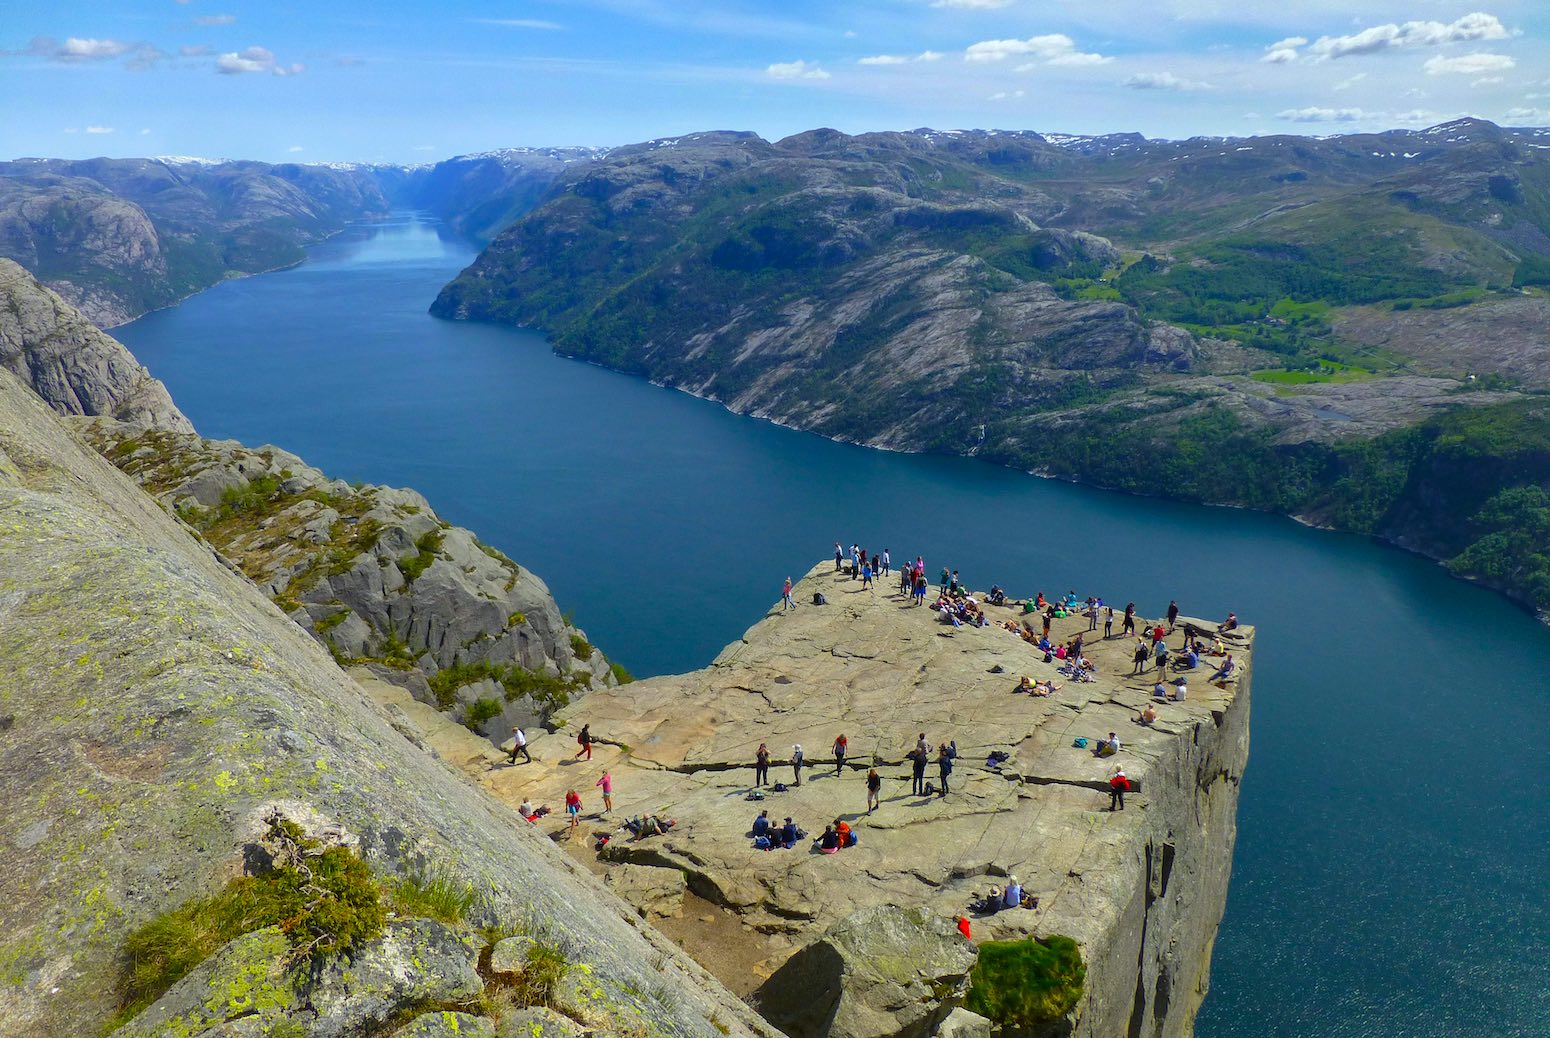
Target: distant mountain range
118,237
1351,329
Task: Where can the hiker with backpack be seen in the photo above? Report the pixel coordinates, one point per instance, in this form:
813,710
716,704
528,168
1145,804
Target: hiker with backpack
786,601
584,740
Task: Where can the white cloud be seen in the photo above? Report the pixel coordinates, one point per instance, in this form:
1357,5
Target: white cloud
1006,95
216,19
1529,116
1347,84
294,148
972,5
255,59
99,130
1283,51
1163,81
1053,49
79,49
1476,26
1487,81
424,147
145,132
518,23
1469,64
195,52
899,59
1321,115
796,70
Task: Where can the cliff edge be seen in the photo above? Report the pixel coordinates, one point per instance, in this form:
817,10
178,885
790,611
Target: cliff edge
1141,891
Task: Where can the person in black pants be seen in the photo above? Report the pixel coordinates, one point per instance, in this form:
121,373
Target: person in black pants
918,766
944,764
1118,785
761,765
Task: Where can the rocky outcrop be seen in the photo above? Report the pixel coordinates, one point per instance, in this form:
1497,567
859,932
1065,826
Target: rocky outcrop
153,704
374,574
883,972
1140,891
74,367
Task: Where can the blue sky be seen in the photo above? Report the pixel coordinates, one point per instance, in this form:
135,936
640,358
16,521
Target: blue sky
398,81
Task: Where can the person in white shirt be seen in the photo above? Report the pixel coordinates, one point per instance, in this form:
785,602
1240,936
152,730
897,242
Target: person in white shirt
519,745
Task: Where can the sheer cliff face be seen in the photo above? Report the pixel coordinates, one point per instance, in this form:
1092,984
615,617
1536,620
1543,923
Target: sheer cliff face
75,368
152,701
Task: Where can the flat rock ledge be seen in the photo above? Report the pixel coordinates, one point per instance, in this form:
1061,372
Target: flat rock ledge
1141,891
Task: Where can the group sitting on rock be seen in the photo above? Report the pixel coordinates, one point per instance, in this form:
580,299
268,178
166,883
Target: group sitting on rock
998,900
767,837
835,837
960,611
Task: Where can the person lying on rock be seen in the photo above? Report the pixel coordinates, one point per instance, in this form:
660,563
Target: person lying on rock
1046,687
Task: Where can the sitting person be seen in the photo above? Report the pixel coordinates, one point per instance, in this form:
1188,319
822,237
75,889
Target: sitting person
761,825
1180,689
842,830
829,842
789,834
1217,648
1190,659
1226,671
1044,643
996,595
1107,747
1160,690
1024,685
1148,716
1013,898
1060,653
531,813
1230,624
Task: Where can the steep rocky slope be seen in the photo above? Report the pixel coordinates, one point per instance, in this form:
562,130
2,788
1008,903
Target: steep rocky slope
1251,322
75,368
155,706
480,195
374,574
1140,891
118,237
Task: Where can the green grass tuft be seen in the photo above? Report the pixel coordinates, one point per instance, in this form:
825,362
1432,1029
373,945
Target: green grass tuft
436,894
1021,984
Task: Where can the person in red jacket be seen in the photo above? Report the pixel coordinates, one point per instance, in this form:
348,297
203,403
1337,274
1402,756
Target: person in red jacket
963,927
1118,786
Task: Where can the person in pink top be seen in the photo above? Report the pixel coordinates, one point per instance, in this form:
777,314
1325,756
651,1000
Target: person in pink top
607,784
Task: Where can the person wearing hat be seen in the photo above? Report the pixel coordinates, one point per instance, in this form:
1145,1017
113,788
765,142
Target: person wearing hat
519,745
1118,785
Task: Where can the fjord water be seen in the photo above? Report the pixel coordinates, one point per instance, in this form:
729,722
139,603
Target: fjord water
1391,869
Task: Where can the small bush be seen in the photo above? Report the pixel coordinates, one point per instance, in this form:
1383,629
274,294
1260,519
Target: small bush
540,978
1021,984
581,647
437,894
480,711
621,675
425,553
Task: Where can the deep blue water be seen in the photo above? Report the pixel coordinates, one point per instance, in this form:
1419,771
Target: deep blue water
1391,872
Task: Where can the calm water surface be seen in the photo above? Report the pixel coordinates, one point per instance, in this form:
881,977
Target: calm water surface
1391,872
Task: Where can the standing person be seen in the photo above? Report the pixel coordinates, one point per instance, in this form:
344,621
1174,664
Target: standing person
519,745
1049,618
1129,626
855,561
839,557
945,574
786,601
874,787
1075,654
866,575
1119,785
1108,623
1158,634
906,581
918,756
573,808
1092,614
944,765
1139,657
797,759
1162,658
761,765
887,562
1173,615
584,740
920,589
840,746
607,785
